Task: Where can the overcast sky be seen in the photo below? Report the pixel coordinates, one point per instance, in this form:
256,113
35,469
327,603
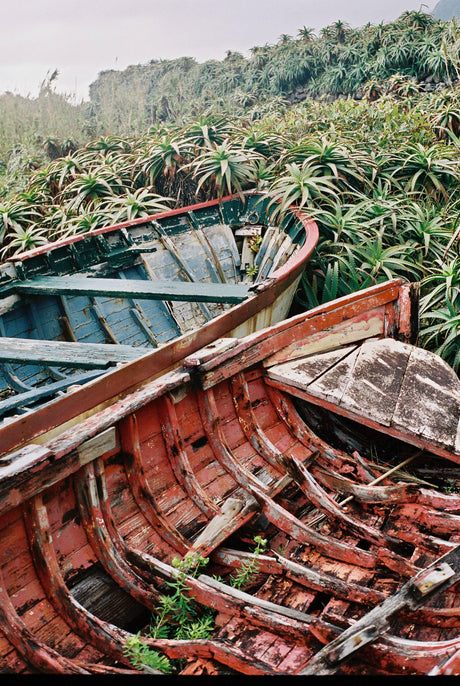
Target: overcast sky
81,38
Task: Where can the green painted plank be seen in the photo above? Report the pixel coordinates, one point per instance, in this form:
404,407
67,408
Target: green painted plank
195,291
87,355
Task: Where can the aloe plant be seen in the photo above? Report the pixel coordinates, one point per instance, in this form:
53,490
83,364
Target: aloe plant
225,168
300,186
420,168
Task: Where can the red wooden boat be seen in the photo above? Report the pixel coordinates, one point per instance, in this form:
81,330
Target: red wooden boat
301,461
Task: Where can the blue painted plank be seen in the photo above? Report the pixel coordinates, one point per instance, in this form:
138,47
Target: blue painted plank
29,398
89,355
139,288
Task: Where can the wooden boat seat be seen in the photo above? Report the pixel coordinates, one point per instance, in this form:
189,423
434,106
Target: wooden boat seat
87,355
389,385
196,291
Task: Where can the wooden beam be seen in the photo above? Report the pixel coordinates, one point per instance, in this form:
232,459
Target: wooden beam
87,355
32,396
190,291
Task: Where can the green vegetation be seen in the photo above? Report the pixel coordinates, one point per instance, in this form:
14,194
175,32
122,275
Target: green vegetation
178,615
371,150
177,618
248,569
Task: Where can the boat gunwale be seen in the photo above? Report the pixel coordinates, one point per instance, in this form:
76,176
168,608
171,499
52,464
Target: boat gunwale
392,291
309,225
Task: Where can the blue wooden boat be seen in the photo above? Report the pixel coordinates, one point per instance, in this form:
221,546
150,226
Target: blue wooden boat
148,291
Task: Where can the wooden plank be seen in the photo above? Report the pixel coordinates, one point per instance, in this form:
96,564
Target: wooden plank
218,527
290,335
303,372
367,380
411,392
374,383
97,445
30,397
429,402
196,291
88,355
369,324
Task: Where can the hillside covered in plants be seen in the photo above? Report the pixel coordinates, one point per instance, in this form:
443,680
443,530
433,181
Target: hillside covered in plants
359,126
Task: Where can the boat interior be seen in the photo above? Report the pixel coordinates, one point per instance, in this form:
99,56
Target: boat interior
351,533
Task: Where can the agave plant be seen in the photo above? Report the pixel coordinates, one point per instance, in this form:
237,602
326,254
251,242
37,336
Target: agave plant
91,218
440,285
162,157
442,334
16,216
109,143
402,86
381,261
382,208
19,239
55,222
339,221
90,186
207,130
424,226
268,144
424,169
329,275
63,171
349,169
445,115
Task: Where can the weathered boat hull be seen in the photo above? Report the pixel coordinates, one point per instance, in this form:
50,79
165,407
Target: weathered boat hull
200,461
182,280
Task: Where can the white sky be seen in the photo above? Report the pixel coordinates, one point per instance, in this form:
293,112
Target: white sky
81,38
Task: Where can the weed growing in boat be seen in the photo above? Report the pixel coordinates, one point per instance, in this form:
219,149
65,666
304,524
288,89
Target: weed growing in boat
178,618
282,549
142,656
252,271
452,486
255,243
248,569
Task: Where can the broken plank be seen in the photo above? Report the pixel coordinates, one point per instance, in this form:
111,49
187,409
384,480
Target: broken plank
303,372
440,575
429,402
365,380
391,383
374,383
29,398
